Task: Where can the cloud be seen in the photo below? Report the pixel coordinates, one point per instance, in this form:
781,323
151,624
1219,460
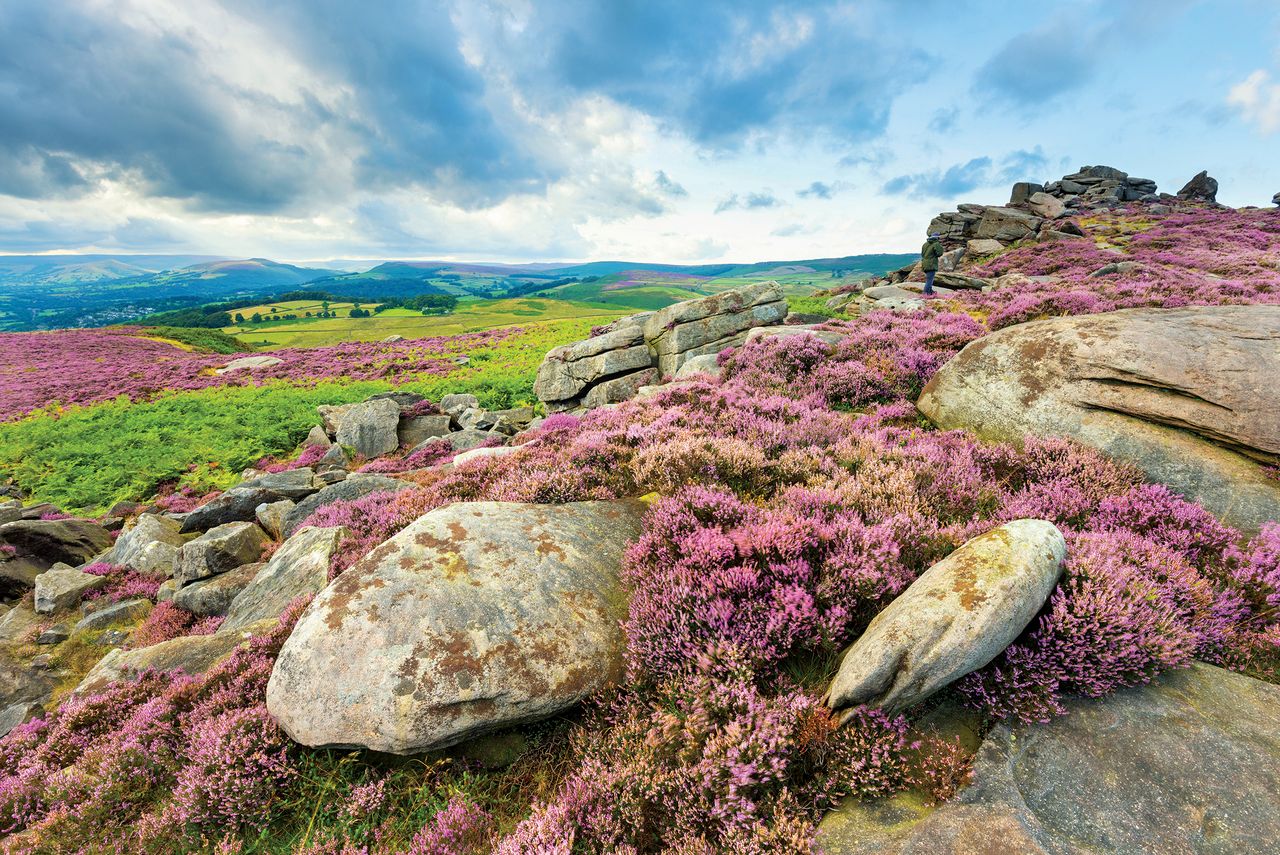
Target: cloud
944,120
721,72
1257,99
957,179
790,230
668,187
1023,165
817,190
751,201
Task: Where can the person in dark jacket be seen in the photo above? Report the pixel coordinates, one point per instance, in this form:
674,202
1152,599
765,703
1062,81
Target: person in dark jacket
929,255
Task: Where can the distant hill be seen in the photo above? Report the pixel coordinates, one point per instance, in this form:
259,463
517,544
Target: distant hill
49,292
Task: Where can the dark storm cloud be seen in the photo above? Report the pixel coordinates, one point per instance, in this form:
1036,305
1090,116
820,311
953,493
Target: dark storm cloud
721,69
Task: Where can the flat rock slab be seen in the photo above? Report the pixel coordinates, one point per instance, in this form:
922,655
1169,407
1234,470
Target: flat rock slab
1187,395
51,541
190,654
249,362
61,587
479,615
1189,764
959,615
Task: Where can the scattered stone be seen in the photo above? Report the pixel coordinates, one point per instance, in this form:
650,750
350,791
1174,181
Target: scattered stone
1201,188
1185,764
127,611
394,337
55,634
335,458
111,638
166,591
1116,267
149,546
956,617
245,363
239,504
354,486
190,654
317,436
1044,205
418,429
979,247
299,567
218,550
213,596
706,364
456,404
370,427
61,587
465,440
1188,395
47,542
272,515
331,476
290,484
475,617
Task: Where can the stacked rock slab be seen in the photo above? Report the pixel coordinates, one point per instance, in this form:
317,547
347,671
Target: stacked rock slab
638,350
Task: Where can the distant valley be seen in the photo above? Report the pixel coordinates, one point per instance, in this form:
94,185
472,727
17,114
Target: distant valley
52,292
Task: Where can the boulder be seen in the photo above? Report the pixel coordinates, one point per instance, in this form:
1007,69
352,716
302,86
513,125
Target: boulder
214,595
475,617
299,567
707,325
14,510
317,436
1044,205
1023,191
47,542
354,486
331,415
149,546
1187,395
1201,188
830,337
959,615
218,550
1275,200
960,282
290,484
403,400
1006,224
706,364
465,440
564,375
126,611
190,654
335,459
245,363
1186,764
239,504
272,515
979,247
418,429
370,427
23,692
61,587
456,404
619,389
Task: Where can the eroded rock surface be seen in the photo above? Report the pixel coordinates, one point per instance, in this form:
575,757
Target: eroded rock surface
958,616
299,567
477,616
1188,395
1189,765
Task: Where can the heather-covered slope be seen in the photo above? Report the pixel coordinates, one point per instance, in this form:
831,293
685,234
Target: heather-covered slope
796,495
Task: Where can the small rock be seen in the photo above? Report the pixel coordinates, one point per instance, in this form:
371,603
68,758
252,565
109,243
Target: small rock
370,427
456,405
219,550
166,591
128,611
239,504
483,453
317,436
62,586
191,654
332,476
465,440
394,338
335,458
959,615
271,516
331,416
43,662
1045,205
979,247
706,364
112,638
149,546
55,634
214,596
248,362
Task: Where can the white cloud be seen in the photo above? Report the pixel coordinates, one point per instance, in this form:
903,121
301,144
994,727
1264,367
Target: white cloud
1258,100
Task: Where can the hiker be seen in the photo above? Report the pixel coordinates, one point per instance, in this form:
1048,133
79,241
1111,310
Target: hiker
929,255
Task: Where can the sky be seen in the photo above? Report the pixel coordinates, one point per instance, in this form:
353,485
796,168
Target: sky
659,130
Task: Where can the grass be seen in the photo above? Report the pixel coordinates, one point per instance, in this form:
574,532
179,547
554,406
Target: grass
299,307
470,316
84,459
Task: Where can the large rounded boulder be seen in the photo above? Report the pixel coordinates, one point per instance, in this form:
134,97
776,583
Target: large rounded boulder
1189,396
477,616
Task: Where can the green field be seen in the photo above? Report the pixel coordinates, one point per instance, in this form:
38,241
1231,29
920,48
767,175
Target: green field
301,307
472,315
